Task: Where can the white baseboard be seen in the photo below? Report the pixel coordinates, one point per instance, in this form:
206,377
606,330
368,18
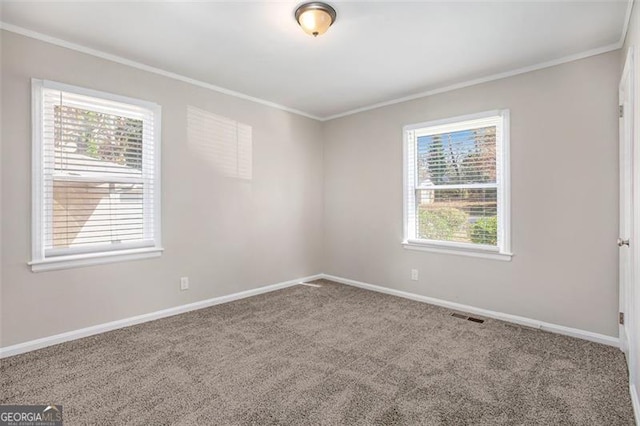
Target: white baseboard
126,322
554,328
635,402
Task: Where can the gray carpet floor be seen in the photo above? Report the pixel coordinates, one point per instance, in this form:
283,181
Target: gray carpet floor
328,355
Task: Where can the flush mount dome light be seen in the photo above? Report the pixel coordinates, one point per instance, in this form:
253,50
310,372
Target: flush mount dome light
315,18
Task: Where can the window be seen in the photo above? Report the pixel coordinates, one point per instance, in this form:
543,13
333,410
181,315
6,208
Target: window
96,177
456,185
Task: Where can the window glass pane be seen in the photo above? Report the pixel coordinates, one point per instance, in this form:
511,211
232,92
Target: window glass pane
89,141
455,158
97,172
96,212
458,215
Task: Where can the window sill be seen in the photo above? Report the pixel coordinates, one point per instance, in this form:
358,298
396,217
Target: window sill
80,260
457,250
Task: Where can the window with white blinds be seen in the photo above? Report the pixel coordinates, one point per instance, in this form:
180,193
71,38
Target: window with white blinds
456,192
96,176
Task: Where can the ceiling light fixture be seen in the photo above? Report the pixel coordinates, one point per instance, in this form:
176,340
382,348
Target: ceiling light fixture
315,17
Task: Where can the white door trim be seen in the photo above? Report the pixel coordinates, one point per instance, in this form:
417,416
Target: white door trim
628,295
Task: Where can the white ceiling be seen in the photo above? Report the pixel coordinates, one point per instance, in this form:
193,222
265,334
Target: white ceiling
375,52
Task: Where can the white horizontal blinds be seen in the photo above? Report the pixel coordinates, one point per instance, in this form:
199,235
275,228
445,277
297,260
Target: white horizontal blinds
98,174
225,144
96,213
456,182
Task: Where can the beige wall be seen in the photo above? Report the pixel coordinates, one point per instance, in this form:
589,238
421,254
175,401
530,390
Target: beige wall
564,168
226,234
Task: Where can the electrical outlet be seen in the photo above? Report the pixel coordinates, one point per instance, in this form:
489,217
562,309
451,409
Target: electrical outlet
414,275
184,283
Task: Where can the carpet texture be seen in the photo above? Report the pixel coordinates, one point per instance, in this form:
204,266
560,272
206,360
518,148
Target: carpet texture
328,355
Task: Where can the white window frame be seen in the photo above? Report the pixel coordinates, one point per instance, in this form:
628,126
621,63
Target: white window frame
74,257
465,122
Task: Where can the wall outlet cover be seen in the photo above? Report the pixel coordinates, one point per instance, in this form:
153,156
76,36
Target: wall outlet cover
184,283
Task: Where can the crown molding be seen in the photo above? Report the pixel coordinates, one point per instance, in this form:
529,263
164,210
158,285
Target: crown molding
498,76
480,80
118,59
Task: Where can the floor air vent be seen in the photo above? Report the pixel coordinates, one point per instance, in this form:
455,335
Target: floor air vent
468,318
311,284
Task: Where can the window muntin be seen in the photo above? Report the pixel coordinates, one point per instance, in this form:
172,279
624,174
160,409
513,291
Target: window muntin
456,183
96,173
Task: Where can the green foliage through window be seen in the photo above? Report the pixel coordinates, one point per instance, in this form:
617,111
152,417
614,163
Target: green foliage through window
448,224
485,231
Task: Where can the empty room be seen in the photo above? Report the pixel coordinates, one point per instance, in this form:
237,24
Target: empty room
319,213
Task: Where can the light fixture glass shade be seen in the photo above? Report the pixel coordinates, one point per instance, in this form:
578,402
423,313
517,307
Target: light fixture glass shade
315,18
